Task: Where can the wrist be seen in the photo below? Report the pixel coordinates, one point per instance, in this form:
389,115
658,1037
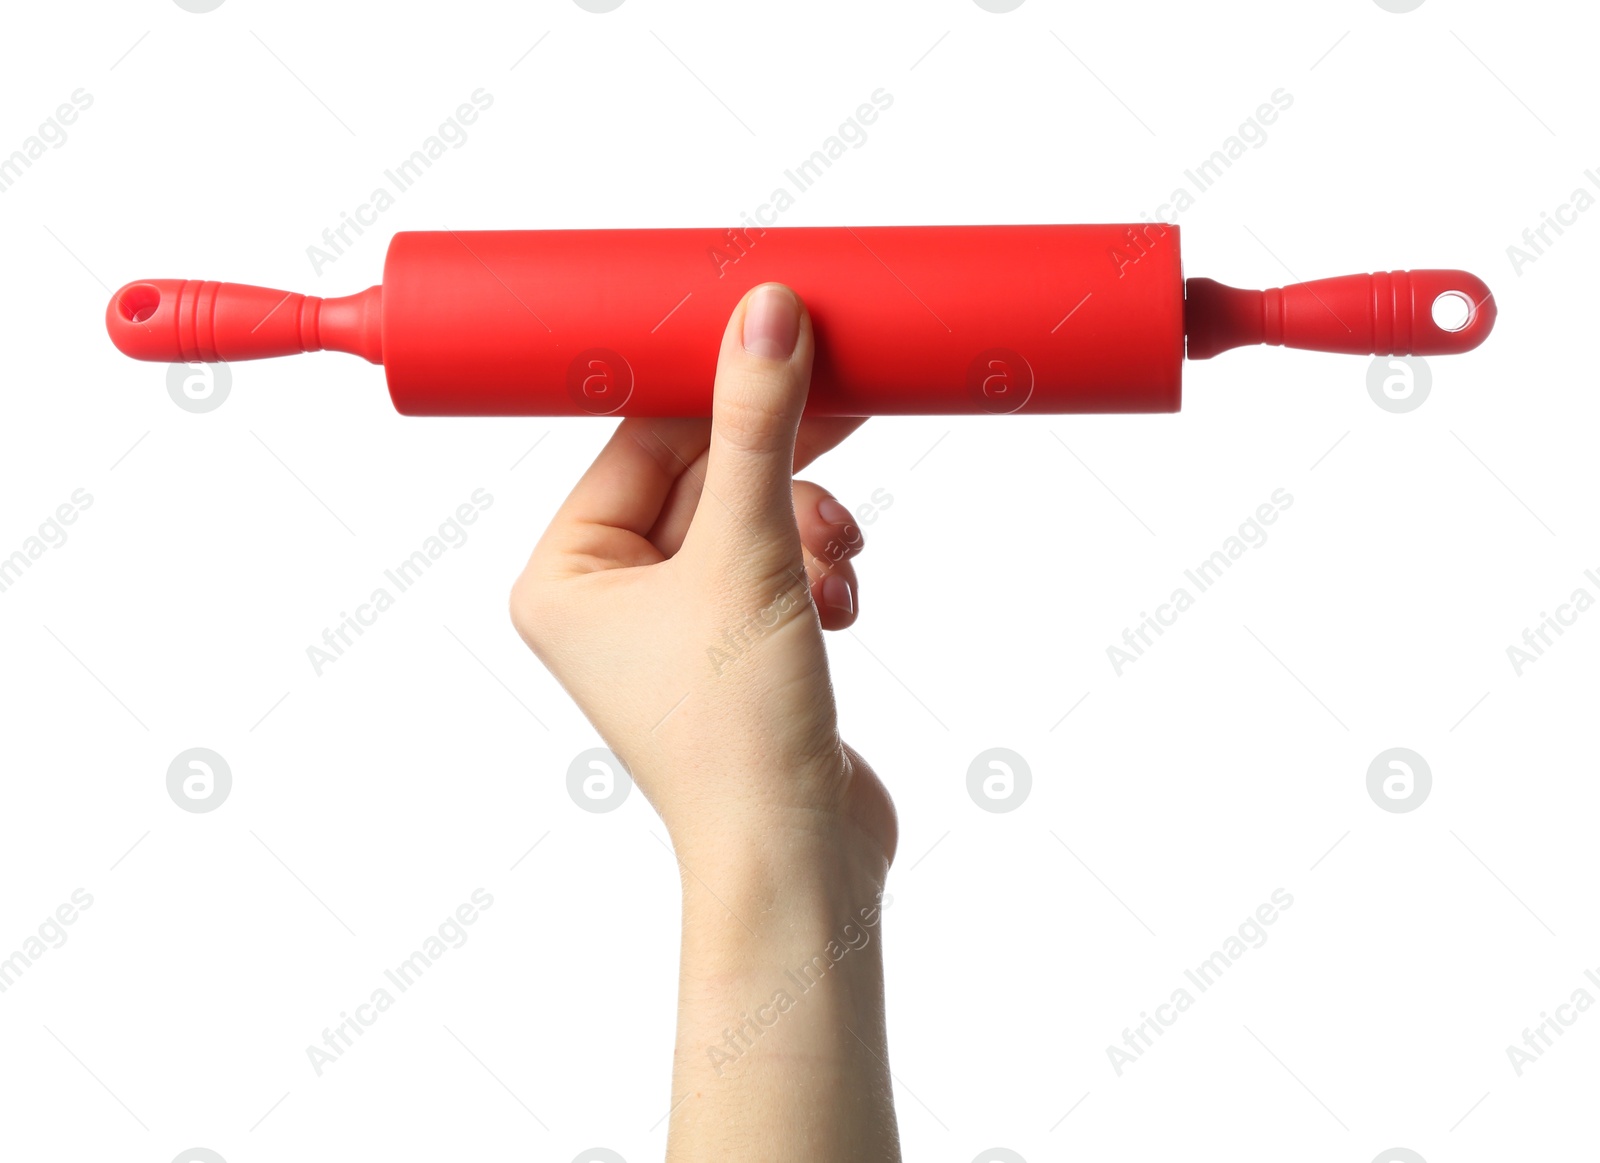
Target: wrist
849,831
756,899
782,954
809,861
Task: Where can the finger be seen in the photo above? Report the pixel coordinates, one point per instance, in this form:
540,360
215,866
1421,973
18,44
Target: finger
678,511
763,374
831,539
827,529
620,497
835,591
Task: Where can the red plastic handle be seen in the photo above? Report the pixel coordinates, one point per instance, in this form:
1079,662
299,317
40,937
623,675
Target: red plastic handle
1390,313
187,320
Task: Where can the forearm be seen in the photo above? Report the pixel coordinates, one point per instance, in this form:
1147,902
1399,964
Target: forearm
782,1053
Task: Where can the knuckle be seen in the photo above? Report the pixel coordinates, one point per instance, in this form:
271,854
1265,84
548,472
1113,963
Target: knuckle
754,411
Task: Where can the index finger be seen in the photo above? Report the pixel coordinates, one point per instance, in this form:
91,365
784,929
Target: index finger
623,491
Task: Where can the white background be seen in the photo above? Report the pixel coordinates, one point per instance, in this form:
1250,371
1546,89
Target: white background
1228,762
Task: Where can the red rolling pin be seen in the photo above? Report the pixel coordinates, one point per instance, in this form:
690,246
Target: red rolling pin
910,320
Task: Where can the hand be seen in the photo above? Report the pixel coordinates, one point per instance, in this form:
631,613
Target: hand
680,596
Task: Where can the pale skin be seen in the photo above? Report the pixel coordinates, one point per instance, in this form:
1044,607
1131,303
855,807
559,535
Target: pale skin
680,596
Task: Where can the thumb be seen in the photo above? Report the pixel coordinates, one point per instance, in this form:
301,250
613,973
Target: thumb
763,375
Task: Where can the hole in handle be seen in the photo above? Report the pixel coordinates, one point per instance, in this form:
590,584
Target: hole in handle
1452,311
139,302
